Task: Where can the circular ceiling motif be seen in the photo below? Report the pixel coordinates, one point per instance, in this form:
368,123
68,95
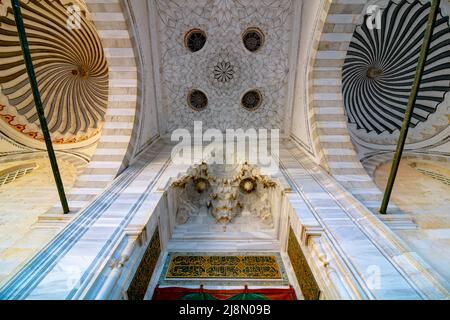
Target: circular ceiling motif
253,39
197,100
224,71
380,68
252,100
195,40
71,71
248,185
201,185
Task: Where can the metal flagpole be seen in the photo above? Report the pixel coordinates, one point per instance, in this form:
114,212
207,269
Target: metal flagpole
411,104
38,102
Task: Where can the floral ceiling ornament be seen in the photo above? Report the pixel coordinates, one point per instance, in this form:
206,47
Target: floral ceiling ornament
224,71
225,195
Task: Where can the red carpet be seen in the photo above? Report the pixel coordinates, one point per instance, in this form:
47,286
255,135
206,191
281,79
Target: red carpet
170,294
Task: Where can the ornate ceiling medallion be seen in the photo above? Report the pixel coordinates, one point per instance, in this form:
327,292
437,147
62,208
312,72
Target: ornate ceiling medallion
248,186
197,100
380,68
195,40
253,39
71,71
252,100
224,71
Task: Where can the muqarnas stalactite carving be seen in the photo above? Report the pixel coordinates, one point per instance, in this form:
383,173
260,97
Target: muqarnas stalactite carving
225,196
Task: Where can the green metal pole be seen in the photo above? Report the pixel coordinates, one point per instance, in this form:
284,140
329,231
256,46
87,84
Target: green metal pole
411,104
38,102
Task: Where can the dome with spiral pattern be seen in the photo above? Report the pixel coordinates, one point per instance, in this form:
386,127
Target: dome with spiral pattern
380,68
71,71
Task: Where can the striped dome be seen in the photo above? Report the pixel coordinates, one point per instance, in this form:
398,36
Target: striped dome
380,67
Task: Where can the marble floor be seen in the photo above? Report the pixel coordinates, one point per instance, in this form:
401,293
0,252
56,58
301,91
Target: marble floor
22,202
426,199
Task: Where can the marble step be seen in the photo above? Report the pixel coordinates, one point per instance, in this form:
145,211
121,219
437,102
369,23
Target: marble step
216,228
51,220
398,221
223,246
229,235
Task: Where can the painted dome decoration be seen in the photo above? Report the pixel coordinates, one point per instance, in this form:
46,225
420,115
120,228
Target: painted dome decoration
70,66
380,67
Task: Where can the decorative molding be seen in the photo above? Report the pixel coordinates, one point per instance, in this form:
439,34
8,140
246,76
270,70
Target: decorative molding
305,277
12,146
144,273
224,267
226,192
305,71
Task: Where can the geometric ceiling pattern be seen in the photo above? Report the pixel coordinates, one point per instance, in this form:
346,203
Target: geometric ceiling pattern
71,71
380,68
224,69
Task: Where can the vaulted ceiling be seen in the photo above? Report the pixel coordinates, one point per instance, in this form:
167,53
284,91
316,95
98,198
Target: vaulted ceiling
224,70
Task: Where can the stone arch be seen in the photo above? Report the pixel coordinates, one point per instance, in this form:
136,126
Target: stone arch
333,141
334,148
111,148
114,147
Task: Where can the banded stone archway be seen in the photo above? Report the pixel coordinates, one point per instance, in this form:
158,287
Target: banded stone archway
329,126
113,148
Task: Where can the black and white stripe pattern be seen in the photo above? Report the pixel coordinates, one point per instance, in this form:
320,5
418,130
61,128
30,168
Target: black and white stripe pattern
381,63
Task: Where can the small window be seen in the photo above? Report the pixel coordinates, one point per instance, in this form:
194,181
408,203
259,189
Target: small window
197,100
195,40
252,100
12,174
253,39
